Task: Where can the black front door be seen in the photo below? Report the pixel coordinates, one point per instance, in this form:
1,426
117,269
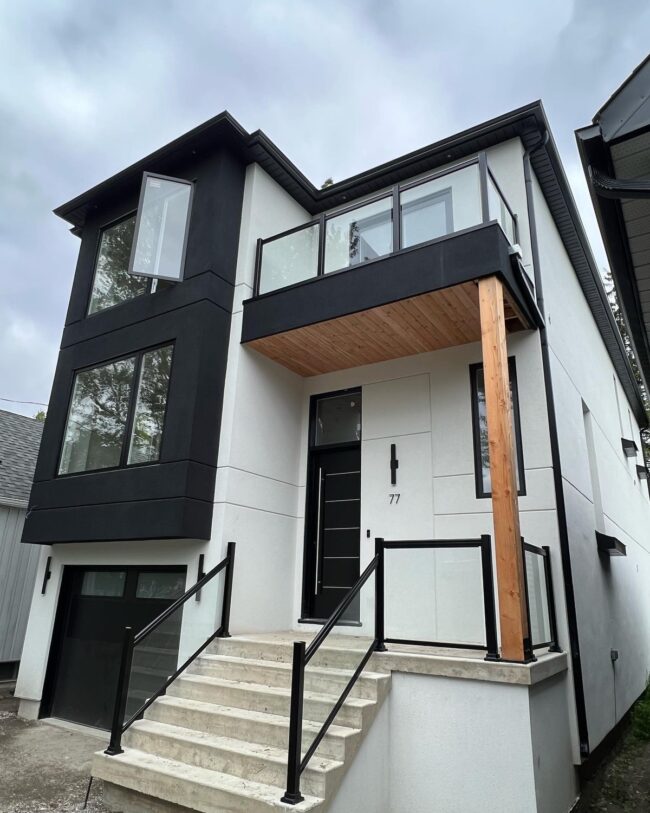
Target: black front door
95,605
333,516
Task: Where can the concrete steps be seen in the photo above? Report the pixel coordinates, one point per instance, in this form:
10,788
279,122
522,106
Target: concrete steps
218,740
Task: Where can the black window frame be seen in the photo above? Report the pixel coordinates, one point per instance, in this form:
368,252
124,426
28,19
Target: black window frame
138,220
312,446
149,289
481,493
138,355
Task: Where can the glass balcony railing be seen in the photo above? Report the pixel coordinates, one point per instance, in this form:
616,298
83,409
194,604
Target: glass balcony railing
409,215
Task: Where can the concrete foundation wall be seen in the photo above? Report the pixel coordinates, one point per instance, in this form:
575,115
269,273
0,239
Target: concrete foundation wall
506,749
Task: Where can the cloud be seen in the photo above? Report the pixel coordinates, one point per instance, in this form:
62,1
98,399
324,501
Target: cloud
89,87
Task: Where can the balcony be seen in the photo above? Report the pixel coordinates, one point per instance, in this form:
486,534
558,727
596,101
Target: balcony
393,276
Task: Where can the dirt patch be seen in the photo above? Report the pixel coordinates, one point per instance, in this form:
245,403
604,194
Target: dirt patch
622,784
44,768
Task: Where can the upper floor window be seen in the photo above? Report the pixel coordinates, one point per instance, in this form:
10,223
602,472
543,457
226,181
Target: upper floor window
117,413
138,253
479,419
161,228
113,284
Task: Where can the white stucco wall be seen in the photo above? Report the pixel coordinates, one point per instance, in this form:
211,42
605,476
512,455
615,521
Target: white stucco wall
257,476
612,594
444,745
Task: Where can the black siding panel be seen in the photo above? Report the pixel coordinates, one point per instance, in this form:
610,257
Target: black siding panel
171,498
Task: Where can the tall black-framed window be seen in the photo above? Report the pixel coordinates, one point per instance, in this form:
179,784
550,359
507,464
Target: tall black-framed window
480,433
112,282
117,413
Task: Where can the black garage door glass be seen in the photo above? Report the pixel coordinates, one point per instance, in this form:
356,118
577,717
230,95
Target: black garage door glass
95,605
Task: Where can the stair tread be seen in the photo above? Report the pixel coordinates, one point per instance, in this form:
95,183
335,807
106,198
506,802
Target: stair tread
182,772
268,752
277,691
270,643
287,667
334,730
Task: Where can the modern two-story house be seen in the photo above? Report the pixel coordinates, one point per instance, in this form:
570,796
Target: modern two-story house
405,399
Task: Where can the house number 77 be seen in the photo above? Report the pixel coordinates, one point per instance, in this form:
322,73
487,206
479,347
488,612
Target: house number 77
394,498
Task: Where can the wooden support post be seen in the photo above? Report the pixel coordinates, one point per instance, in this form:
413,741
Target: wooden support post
509,556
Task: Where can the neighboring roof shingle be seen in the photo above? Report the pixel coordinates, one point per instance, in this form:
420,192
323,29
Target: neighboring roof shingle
20,438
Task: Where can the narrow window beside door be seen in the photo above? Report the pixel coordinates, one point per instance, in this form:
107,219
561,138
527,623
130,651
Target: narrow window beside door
480,432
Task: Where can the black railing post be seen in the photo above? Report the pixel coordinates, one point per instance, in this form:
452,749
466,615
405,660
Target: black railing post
483,182
227,592
550,598
292,795
380,633
119,709
529,652
489,606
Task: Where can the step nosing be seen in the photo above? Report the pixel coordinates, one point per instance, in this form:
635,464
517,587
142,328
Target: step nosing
181,771
201,706
273,691
229,745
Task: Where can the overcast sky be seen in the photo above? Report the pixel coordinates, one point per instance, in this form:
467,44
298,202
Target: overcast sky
87,88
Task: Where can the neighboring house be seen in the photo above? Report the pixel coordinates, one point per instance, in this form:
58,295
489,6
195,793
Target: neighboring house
422,353
19,441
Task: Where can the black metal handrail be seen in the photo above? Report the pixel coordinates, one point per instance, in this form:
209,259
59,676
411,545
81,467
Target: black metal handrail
131,640
484,543
301,657
544,551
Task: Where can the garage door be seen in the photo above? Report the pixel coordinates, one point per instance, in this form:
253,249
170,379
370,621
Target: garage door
95,605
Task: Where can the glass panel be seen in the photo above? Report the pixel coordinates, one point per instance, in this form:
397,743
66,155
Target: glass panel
359,235
441,206
160,584
160,243
176,638
289,259
483,432
435,595
499,210
540,627
103,583
330,686
113,283
338,419
97,420
150,406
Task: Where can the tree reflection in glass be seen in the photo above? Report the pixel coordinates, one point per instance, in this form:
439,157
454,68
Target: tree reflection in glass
113,283
150,406
98,415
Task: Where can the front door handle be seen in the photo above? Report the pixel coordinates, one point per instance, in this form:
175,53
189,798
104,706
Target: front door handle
318,580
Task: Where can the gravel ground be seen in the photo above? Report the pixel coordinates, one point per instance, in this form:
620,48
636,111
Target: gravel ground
622,782
43,767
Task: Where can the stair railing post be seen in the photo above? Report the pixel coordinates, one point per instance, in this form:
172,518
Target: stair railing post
227,592
379,596
293,795
119,709
489,608
529,652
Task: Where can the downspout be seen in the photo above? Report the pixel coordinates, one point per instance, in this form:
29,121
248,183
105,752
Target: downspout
565,553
